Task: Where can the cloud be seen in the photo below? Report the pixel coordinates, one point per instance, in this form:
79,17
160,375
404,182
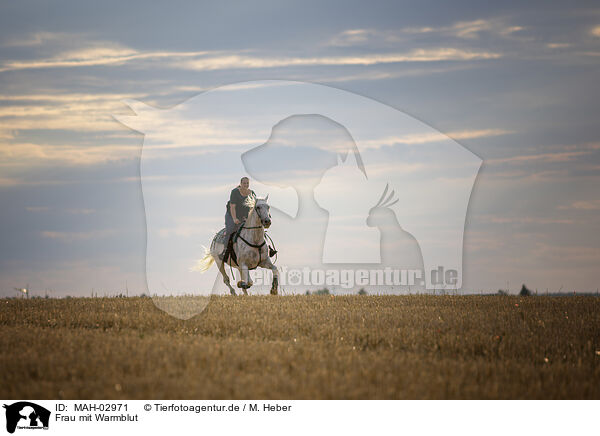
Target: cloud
387,75
81,211
6,182
391,169
36,209
567,161
210,63
68,97
231,87
370,75
364,37
423,138
468,29
583,205
76,236
483,241
79,58
541,157
471,29
39,38
95,54
559,254
27,154
6,134
472,134
351,37
523,220
69,111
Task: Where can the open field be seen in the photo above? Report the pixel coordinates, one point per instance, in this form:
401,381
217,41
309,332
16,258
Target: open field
303,347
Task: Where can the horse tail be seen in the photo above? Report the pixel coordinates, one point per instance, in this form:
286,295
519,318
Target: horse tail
205,263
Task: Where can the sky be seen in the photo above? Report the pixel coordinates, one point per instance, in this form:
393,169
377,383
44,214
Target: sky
516,84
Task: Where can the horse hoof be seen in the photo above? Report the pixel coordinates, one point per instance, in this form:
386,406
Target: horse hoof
232,292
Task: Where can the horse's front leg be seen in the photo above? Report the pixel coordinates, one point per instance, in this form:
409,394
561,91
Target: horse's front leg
275,284
245,281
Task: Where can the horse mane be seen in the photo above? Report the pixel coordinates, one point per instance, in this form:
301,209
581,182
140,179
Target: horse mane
250,201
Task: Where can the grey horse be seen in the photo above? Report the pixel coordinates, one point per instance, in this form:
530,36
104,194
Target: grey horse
250,248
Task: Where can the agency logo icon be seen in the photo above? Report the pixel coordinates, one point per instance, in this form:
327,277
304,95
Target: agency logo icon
25,415
356,188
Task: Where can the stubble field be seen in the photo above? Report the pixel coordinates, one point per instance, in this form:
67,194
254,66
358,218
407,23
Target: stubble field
303,347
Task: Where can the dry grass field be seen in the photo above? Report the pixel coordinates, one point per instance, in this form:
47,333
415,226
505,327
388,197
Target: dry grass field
303,347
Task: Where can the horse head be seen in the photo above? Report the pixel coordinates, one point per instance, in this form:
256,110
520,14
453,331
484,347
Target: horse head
262,209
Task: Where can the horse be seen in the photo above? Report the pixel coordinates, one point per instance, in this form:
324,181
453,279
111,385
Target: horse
250,248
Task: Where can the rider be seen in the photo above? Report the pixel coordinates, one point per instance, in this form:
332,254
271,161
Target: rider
236,212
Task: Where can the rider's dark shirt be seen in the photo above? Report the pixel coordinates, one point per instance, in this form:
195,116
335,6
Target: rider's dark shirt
241,210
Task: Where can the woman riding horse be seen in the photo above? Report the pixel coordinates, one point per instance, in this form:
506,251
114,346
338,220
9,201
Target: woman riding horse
253,215
236,212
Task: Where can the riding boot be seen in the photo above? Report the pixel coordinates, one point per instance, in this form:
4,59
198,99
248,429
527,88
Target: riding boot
272,251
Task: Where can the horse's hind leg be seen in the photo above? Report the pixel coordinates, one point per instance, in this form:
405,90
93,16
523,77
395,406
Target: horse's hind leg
225,276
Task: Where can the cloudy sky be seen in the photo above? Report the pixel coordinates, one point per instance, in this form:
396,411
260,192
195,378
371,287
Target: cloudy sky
515,84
